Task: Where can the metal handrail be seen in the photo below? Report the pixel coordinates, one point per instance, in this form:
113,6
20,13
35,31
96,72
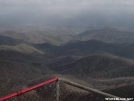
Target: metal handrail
57,80
29,89
88,89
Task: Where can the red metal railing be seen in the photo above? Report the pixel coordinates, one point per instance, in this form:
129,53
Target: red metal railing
29,89
58,89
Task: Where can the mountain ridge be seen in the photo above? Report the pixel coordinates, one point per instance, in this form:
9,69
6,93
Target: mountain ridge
109,35
100,66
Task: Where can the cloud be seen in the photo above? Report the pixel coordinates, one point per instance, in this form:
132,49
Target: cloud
66,2
64,9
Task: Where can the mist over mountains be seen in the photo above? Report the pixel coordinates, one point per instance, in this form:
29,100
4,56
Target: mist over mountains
72,13
90,41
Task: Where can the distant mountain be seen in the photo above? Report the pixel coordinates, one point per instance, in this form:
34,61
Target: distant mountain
110,35
85,48
55,37
61,61
10,55
5,40
99,66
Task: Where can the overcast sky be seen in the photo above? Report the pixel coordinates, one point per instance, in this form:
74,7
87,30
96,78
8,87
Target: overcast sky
15,10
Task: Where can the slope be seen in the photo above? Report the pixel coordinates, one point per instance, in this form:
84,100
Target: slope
21,48
85,48
5,40
110,35
52,36
124,90
16,69
99,66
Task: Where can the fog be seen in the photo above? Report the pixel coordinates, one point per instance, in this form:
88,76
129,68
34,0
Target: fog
67,12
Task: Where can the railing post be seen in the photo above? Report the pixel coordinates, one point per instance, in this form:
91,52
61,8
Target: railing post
57,91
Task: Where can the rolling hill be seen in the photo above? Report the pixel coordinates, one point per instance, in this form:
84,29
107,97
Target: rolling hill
53,36
17,69
102,62
109,35
124,90
86,48
5,40
99,66
21,48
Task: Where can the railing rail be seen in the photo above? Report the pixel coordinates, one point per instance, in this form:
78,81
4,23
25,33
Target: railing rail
56,90
29,89
89,89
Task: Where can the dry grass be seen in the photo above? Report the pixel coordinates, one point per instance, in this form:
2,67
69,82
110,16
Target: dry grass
21,48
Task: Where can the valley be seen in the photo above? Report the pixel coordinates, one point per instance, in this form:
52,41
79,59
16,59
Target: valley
100,58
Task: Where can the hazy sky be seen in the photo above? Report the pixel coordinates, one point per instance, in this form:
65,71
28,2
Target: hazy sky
34,10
